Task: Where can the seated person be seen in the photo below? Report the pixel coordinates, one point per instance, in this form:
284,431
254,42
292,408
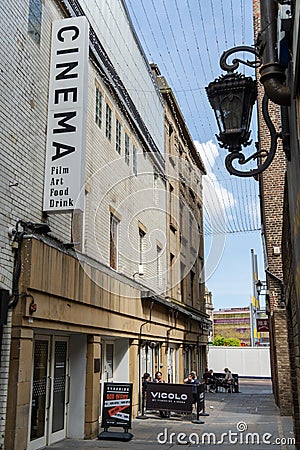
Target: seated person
209,380
227,381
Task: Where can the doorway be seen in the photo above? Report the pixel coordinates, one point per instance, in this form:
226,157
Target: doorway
49,391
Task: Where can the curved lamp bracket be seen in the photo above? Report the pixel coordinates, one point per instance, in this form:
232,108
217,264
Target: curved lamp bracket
269,155
236,61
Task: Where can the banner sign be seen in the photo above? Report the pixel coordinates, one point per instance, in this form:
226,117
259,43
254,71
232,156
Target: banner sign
262,325
201,398
67,112
169,397
117,405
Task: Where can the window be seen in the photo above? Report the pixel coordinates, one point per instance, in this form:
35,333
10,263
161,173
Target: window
191,228
118,136
134,162
127,149
182,281
171,275
109,360
35,19
158,265
155,188
171,200
181,207
141,245
114,222
98,113
192,280
108,122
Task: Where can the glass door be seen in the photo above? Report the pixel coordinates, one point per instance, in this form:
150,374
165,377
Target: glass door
50,391
59,391
171,365
39,393
108,361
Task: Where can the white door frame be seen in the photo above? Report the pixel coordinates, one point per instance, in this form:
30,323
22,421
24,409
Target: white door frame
61,434
49,437
41,441
104,377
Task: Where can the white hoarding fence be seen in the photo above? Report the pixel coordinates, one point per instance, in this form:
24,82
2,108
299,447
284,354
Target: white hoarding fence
245,361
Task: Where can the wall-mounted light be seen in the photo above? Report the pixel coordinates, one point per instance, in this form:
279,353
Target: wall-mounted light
232,97
32,307
16,243
140,271
152,345
70,245
37,228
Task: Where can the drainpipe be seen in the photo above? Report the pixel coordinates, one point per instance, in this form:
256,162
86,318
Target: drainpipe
272,74
139,352
172,327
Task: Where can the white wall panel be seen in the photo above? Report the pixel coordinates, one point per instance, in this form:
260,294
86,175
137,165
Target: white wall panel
246,361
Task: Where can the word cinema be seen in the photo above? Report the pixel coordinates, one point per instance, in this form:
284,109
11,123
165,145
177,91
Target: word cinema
66,132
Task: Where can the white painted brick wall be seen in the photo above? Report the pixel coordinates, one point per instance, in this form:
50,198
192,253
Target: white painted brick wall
24,75
23,92
112,183
109,20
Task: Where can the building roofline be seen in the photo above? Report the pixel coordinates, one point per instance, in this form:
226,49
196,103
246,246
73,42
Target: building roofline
117,88
171,101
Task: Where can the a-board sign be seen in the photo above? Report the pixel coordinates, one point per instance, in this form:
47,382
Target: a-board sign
201,397
117,405
169,397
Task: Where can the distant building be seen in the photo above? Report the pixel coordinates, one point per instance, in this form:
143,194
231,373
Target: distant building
233,323
209,309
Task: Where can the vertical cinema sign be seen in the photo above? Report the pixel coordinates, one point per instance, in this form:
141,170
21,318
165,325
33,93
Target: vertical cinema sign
66,132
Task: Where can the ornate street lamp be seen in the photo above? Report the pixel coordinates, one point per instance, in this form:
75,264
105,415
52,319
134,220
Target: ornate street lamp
232,97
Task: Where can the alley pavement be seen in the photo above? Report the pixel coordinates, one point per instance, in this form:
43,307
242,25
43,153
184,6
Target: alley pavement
245,420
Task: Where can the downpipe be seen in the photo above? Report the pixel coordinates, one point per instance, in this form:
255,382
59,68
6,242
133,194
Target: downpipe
272,74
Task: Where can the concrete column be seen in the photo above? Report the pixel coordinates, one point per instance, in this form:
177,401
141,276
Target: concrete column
92,391
19,385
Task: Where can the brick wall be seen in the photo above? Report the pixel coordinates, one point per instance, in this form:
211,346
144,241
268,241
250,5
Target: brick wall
292,317
272,182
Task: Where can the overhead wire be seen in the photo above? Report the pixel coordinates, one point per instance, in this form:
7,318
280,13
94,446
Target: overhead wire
215,26
205,36
220,191
174,66
134,71
224,25
240,196
233,24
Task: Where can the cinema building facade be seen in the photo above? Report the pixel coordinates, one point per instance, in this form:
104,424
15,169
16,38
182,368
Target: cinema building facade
84,258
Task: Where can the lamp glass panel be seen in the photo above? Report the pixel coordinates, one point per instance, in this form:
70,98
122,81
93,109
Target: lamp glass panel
247,111
219,119
232,108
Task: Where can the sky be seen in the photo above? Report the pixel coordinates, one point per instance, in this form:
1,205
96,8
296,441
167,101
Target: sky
185,38
231,283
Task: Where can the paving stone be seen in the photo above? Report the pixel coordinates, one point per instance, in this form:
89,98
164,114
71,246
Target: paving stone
252,410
